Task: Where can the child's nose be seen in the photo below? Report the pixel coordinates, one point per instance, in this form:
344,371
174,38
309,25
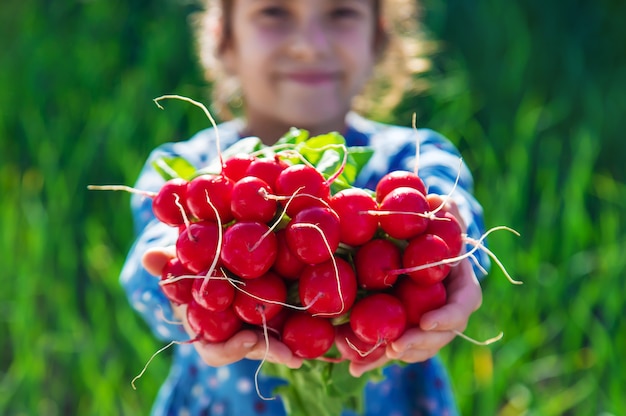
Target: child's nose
310,41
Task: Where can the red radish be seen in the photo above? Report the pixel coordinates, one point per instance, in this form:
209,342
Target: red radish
378,319
277,322
421,251
308,336
446,226
435,202
357,224
352,348
214,294
212,326
260,299
403,213
326,290
317,243
374,260
167,203
235,167
287,264
306,183
267,169
396,179
218,188
197,245
248,249
419,299
178,291
248,202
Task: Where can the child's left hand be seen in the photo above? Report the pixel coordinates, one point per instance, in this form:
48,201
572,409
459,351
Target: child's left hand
437,328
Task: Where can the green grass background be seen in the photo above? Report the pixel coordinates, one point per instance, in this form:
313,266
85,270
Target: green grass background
532,92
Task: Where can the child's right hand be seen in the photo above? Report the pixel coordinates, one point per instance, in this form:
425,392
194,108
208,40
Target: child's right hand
244,344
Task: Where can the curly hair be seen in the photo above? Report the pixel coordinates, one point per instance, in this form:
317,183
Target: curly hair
400,45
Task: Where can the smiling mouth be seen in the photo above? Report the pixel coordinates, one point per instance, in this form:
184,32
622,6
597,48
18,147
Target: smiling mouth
311,78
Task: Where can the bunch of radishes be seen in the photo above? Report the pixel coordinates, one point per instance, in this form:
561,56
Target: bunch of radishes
268,243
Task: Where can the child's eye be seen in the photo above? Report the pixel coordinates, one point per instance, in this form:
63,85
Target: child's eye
345,13
274,12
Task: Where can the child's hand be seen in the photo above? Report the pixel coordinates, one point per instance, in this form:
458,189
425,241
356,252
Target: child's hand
436,327
244,344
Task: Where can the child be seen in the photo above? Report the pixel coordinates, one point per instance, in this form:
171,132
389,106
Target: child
302,63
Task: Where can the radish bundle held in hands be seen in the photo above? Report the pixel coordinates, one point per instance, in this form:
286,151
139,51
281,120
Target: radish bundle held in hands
278,239
339,246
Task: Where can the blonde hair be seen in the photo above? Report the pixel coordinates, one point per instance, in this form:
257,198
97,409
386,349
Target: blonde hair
400,45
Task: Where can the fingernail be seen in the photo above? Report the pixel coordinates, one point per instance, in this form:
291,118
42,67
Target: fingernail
249,345
431,327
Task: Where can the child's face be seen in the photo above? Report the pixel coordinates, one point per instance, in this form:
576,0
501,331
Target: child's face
300,62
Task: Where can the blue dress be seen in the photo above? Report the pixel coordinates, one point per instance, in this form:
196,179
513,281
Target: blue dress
194,388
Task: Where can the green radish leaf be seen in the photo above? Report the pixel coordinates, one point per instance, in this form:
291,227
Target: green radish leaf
329,162
306,392
320,388
294,136
343,384
358,156
350,389
170,167
245,145
313,148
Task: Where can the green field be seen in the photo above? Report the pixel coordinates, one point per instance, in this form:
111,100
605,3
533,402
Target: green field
532,92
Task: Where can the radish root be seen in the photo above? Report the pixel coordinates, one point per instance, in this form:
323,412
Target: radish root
481,343
265,355
335,267
362,353
201,106
160,350
274,302
477,246
220,236
125,188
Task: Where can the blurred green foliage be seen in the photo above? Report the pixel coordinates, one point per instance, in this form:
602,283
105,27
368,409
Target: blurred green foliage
532,92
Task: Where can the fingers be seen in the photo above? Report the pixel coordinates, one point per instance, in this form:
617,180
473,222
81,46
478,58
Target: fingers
155,259
244,344
274,351
416,345
464,297
358,369
217,354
